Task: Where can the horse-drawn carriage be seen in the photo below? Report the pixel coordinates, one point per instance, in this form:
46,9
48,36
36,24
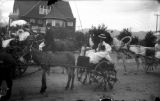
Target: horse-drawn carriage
16,44
103,74
142,55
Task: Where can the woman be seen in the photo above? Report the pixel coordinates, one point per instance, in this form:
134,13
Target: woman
157,49
103,51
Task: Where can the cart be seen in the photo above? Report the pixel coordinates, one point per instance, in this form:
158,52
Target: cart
102,74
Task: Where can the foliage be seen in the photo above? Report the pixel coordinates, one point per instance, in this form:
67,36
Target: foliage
124,33
135,40
95,31
150,39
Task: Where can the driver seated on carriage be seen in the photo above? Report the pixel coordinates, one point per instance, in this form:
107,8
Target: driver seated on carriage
102,52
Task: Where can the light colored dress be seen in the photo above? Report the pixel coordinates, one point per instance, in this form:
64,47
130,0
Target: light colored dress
157,48
95,57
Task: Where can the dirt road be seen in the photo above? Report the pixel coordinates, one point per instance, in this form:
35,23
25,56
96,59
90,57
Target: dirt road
131,87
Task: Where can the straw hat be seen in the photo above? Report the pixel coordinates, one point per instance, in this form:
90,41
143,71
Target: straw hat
103,36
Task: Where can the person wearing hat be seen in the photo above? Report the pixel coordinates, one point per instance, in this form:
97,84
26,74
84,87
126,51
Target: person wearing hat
103,51
7,70
103,43
157,49
49,39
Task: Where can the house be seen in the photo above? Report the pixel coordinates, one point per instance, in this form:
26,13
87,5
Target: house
38,14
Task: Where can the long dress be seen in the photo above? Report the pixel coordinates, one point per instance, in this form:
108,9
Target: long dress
157,48
95,57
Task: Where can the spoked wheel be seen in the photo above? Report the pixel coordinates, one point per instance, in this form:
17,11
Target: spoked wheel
149,65
20,68
83,75
105,75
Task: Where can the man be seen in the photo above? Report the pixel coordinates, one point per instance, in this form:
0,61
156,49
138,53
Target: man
7,67
49,40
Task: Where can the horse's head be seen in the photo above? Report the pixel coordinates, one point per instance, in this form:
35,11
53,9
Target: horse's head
118,44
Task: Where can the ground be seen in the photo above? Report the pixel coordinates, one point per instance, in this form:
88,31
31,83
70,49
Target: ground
131,87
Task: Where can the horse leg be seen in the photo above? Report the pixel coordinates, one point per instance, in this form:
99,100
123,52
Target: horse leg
137,62
68,82
73,76
43,87
69,78
124,65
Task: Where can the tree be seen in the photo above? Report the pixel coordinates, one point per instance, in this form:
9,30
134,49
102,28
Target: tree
135,40
123,34
150,39
95,31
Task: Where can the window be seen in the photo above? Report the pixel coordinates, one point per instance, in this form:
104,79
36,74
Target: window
70,23
49,21
44,9
32,20
59,23
16,12
40,21
41,11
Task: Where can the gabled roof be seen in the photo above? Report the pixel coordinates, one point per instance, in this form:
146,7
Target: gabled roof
61,10
30,8
24,5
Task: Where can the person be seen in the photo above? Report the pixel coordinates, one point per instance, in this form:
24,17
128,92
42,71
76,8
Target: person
102,42
157,49
49,40
7,67
103,51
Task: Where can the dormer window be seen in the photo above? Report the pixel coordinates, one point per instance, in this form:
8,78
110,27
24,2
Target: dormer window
41,9
16,12
44,9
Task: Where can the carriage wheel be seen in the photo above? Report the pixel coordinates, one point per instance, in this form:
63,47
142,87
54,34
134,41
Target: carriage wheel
106,75
149,65
82,75
20,68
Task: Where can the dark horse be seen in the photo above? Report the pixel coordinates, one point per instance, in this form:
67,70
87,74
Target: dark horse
46,60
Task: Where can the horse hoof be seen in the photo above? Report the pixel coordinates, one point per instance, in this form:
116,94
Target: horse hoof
66,88
125,73
42,91
72,88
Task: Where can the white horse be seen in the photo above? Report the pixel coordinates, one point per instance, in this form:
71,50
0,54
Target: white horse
123,52
136,52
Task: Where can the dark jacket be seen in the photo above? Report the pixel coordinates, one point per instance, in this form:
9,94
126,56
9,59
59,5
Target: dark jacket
7,65
49,37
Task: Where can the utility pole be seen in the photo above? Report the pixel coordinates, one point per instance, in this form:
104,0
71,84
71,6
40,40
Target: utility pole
157,16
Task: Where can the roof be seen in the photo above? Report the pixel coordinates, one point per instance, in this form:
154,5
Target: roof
24,5
60,9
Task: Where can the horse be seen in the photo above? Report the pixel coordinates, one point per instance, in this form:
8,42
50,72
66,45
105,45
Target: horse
124,52
137,52
46,60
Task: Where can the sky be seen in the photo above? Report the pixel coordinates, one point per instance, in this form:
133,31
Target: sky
137,15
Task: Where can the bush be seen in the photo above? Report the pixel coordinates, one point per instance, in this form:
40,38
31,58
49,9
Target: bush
135,41
95,31
150,39
123,34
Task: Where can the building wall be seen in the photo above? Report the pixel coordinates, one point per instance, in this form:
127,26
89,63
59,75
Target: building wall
40,23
